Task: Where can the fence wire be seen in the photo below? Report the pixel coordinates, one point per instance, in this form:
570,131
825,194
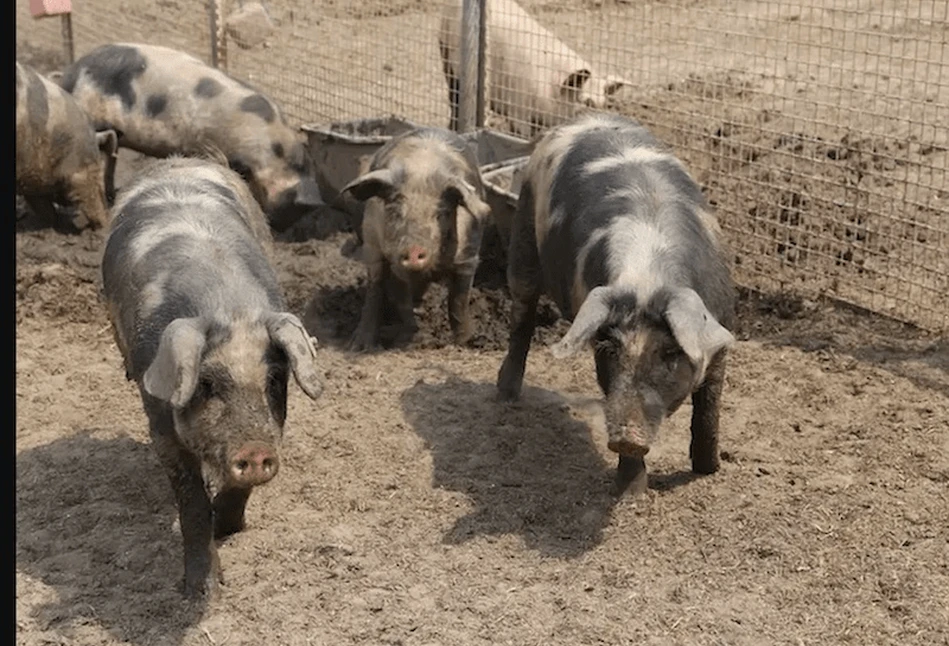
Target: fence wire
819,128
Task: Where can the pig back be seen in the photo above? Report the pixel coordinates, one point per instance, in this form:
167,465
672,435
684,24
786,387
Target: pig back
186,240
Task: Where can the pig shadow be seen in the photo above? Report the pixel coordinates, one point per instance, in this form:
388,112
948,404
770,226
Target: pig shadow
529,468
93,522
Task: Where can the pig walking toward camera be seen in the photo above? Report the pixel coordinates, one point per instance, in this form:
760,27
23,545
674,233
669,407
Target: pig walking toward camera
423,222
203,329
163,102
59,156
618,234
532,77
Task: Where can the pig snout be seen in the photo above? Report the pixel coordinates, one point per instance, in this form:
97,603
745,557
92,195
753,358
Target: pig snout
308,193
415,258
254,464
628,440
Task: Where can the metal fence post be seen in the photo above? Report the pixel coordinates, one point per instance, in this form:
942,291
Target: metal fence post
482,61
218,42
471,27
68,43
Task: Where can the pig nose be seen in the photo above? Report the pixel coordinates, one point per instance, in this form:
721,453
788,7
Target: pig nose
628,441
254,464
415,258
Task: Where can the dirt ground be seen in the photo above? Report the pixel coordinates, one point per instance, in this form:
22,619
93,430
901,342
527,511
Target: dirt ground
412,509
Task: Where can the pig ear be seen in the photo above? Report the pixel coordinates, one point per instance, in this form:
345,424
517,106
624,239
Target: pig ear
571,86
470,199
695,329
594,312
173,375
614,84
107,141
287,331
377,183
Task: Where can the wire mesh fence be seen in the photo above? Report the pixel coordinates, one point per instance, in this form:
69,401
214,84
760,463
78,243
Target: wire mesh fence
819,128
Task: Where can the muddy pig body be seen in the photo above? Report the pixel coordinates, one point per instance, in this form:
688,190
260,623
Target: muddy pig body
423,222
163,101
532,77
59,156
612,227
203,329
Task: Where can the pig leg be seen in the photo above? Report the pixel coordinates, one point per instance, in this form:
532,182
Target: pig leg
400,294
371,317
202,568
42,208
706,402
229,506
631,471
525,284
459,300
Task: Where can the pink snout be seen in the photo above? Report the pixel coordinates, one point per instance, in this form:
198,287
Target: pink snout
254,464
415,257
627,441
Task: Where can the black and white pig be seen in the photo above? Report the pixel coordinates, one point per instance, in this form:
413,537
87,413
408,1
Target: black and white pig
204,330
163,101
612,227
59,156
424,219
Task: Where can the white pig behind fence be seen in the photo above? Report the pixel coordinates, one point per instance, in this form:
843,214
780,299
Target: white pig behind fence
532,77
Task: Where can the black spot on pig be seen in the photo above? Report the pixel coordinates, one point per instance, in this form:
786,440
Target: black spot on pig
37,102
112,68
277,150
259,105
207,88
155,105
595,269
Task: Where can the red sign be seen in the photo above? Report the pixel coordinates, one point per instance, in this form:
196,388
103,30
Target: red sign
40,8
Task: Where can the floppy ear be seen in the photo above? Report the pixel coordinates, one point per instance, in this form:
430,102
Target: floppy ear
696,330
173,375
377,183
614,84
287,332
571,86
594,312
469,198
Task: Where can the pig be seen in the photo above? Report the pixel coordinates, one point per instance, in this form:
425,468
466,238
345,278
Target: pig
162,101
423,222
611,226
59,155
532,77
204,331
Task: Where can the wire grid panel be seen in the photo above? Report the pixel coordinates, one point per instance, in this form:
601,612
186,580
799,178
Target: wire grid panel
180,24
328,62
817,127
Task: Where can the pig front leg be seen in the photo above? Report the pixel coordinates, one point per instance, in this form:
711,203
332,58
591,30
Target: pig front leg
525,284
229,506
401,294
202,567
370,319
706,403
459,301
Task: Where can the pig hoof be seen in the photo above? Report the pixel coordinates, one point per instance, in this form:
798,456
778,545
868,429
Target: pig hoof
705,466
361,343
207,589
509,382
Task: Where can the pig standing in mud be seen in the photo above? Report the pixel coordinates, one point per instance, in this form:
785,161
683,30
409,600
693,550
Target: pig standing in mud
203,329
59,156
423,222
532,77
618,234
162,102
